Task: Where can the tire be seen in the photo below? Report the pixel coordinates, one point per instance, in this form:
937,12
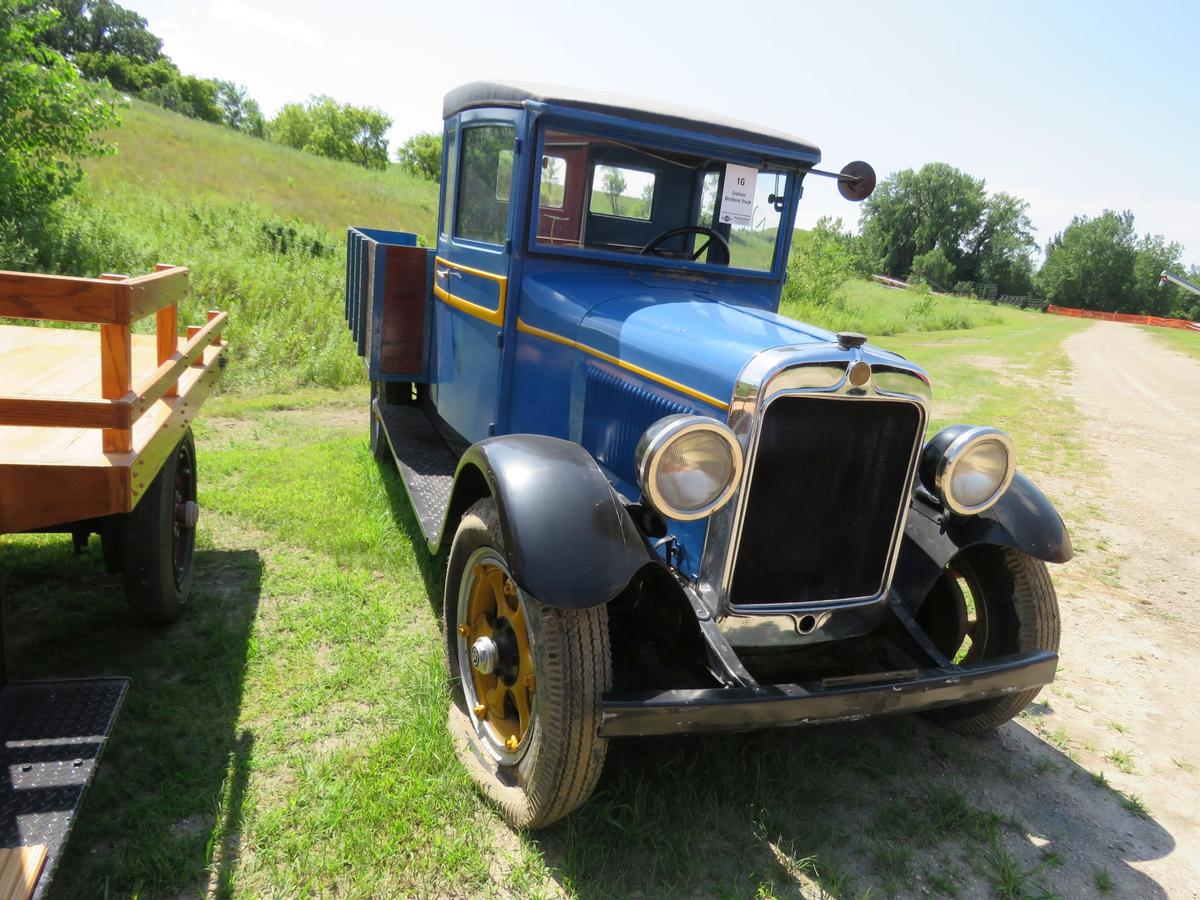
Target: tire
110,543
158,539
552,759
1014,591
379,443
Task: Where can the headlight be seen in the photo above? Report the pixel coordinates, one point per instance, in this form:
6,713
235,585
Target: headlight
968,468
688,466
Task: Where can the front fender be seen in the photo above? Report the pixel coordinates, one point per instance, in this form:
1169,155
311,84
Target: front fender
567,537
1023,519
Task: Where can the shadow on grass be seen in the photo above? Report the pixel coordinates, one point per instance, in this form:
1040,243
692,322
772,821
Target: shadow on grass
163,813
433,568
888,807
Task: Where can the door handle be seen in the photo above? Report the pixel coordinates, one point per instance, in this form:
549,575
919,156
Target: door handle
446,273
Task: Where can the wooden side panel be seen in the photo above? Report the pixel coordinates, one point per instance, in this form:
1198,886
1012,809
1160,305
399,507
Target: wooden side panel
41,496
404,294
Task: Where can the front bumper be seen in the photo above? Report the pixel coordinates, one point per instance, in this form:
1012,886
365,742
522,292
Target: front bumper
741,709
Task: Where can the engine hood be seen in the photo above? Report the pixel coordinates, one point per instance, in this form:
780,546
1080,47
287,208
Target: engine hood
695,334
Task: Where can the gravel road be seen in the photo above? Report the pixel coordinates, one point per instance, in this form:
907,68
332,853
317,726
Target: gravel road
1131,645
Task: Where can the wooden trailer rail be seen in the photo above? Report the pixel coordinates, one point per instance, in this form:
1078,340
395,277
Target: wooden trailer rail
113,302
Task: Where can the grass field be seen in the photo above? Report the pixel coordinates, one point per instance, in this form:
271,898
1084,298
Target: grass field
1183,341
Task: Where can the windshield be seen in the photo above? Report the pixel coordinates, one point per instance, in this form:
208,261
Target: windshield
603,194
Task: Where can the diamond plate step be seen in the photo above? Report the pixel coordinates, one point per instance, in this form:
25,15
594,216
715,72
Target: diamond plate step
51,737
425,463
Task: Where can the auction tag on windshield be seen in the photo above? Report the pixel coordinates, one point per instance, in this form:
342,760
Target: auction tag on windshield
737,196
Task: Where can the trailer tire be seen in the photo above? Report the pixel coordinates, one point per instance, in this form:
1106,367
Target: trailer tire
158,539
554,754
110,543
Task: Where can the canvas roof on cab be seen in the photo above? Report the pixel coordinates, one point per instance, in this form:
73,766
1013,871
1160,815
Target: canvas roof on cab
479,94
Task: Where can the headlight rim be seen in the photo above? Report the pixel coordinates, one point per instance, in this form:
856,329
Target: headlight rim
954,455
654,442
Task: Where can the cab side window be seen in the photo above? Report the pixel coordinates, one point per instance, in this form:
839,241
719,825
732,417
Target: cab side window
485,183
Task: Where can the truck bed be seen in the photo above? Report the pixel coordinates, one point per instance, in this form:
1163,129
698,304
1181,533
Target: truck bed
54,475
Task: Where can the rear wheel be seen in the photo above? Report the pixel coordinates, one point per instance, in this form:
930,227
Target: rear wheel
991,602
527,681
158,537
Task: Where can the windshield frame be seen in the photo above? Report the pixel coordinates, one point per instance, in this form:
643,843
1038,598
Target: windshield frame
667,139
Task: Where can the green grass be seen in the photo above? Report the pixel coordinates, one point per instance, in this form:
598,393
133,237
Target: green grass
1184,341
165,156
875,310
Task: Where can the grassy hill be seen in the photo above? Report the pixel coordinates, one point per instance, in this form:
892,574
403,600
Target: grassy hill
261,226
165,155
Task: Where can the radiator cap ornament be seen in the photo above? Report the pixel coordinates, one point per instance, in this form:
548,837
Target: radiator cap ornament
851,339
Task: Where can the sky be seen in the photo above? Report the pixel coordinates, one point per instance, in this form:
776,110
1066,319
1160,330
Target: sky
1074,107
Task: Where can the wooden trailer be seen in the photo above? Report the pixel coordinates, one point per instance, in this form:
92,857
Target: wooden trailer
95,437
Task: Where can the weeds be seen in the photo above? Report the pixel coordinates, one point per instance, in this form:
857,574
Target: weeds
1123,760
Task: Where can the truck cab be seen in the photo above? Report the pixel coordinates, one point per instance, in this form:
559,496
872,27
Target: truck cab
665,506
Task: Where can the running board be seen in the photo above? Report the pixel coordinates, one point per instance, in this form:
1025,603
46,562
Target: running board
426,465
51,737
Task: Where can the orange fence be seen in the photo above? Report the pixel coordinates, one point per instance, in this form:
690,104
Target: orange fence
1123,317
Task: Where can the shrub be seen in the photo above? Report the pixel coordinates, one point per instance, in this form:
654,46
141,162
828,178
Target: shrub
421,155
817,270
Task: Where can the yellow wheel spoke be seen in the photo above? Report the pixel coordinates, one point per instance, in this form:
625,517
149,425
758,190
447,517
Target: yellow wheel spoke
524,703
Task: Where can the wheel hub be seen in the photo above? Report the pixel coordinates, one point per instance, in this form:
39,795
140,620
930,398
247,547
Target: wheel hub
484,655
495,656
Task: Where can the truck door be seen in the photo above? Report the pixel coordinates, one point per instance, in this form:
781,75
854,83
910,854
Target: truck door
471,272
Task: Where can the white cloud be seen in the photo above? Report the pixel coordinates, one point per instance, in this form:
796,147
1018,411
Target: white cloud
250,20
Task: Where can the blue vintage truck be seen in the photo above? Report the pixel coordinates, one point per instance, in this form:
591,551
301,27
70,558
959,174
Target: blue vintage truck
664,506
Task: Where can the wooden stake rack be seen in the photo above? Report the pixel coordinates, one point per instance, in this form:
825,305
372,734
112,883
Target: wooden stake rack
82,436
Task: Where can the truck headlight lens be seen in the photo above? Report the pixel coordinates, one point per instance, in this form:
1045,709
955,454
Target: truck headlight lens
968,468
688,466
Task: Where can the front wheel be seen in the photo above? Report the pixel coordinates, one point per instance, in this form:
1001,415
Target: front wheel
527,682
991,602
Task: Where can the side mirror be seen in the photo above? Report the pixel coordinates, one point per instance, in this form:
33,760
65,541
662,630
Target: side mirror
856,181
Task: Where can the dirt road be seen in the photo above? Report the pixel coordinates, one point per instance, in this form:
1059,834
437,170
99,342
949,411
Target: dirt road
1126,697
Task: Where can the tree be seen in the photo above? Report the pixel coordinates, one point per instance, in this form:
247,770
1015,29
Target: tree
421,155
100,26
1102,264
48,115
238,109
982,236
614,186
934,268
325,127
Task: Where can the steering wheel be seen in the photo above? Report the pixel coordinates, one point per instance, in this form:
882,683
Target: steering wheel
692,229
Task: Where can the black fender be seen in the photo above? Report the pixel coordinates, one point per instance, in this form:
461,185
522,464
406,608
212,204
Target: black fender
1023,519
568,539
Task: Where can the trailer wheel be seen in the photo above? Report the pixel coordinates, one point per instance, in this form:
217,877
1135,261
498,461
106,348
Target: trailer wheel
110,543
1005,602
158,539
527,680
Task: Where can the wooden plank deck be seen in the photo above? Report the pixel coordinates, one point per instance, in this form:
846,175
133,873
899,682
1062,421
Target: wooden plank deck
53,475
